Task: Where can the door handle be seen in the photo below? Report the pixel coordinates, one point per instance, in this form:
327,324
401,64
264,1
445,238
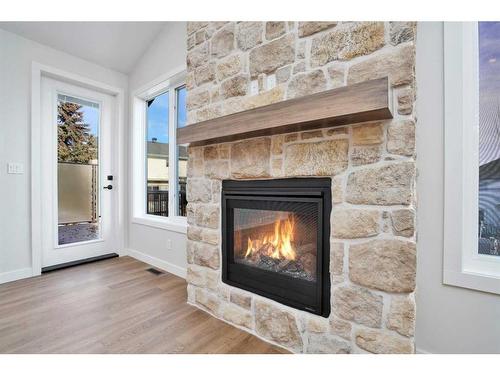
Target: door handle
110,187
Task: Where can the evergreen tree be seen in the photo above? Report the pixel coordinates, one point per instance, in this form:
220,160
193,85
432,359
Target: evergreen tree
75,143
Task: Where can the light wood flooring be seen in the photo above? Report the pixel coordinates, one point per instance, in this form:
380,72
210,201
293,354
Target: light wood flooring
112,306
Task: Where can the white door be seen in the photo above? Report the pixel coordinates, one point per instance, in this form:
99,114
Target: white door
77,179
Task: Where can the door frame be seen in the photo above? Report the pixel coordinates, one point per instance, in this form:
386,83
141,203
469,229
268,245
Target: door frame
37,72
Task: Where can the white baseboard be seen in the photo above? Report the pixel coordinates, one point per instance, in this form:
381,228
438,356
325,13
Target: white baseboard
156,262
22,273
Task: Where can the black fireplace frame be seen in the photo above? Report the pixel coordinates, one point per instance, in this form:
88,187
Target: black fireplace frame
313,297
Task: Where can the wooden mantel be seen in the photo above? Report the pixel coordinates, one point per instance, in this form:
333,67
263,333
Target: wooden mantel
361,102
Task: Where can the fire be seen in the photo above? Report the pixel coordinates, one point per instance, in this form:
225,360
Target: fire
276,245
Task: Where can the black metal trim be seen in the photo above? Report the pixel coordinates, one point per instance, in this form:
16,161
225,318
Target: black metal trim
313,297
74,263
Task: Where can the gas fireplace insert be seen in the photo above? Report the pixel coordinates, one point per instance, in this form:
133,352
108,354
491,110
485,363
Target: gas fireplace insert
275,240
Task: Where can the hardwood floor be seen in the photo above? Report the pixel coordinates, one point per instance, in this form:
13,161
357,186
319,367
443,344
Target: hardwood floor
112,306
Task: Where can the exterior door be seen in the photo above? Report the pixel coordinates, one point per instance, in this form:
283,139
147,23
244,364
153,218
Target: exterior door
79,200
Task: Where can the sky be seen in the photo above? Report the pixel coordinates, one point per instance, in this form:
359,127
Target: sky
157,116
489,59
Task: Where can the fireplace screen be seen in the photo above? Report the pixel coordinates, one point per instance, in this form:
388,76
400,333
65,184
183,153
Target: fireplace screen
275,240
278,241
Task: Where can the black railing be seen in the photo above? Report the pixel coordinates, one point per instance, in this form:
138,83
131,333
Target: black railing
157,203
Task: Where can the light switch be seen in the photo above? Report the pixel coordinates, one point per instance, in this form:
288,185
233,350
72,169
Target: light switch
15,168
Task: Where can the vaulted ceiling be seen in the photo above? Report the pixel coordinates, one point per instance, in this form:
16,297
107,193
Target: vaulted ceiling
114,45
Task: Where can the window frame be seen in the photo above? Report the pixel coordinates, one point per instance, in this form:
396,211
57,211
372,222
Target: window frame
462,265
170,82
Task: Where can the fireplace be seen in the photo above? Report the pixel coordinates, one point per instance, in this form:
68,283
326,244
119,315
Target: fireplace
275,240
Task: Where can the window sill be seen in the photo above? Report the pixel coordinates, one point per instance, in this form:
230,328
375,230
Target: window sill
174,224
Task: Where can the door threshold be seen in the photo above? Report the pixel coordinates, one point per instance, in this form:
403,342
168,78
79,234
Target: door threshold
78,262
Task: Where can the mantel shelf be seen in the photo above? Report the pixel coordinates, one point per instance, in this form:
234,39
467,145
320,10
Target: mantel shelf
361,102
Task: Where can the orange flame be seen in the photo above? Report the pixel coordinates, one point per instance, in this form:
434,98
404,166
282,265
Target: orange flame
277,245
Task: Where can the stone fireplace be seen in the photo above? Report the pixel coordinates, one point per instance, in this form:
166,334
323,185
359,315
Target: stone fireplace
275,240
369,168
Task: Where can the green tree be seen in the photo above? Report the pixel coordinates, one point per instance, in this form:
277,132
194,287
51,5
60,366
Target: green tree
75,142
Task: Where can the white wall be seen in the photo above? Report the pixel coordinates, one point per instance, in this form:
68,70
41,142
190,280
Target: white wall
167,52
16,56
449,319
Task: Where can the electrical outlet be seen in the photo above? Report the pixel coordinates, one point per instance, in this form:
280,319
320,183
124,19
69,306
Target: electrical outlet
15,168
169,244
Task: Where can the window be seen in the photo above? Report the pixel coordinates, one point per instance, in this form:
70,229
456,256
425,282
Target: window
472,155
159,172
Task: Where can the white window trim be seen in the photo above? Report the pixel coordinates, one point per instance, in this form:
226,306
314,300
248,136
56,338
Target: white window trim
462,265
169,82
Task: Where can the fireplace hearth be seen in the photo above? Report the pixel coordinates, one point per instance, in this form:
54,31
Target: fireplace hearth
275,240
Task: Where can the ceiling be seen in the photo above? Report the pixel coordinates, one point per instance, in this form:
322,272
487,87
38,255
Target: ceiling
114,45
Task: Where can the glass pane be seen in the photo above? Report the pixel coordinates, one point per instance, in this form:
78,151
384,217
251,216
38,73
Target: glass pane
489,138
77,170
181,152
277,241
157,155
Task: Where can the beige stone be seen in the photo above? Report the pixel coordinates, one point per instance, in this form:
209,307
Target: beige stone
301,49
403,222
383,343
277,168
238,104
341,328
368,134
250,158
336,258
192,26
365,155
323,344
398,64
207,215
312,134
210,236
238,316
200,36
249,34
277,144
199,190
208,113
195,275
190,42
324,158
273,55
299,67
337,75
210,152
347,41
317,325
309,28
291,137
197,99
355,223
224,151
206,255
401,138
385,264
216,191
406,98
401,317
306,84
243,300
212,279
195,162
275,29
277,325
337,190
204,73
197,56
337,131
207,300
218,169
400,32
358,305
385,185
283,74
235,86
228,67
222,42
194,233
